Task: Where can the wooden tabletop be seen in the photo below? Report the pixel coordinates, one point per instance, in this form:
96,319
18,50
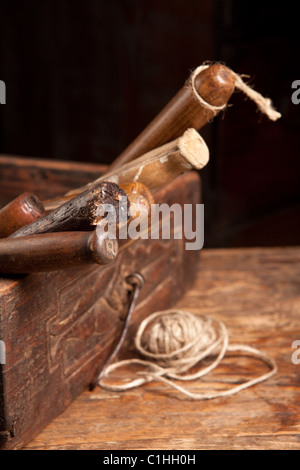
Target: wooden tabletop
256,293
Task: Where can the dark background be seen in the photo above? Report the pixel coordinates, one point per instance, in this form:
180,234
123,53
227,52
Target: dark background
83,78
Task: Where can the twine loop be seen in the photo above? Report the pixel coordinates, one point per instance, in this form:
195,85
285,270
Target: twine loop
264,104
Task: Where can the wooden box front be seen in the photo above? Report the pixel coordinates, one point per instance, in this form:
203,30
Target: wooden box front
60,327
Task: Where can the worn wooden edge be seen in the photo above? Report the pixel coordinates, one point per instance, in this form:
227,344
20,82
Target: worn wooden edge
53,164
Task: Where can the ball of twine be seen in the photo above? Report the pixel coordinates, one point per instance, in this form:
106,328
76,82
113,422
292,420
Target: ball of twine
175,341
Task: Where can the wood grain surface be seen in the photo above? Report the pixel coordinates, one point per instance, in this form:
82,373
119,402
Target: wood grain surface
256,292
59,327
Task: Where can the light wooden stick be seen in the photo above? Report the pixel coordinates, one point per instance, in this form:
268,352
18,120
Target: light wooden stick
162,165
155,169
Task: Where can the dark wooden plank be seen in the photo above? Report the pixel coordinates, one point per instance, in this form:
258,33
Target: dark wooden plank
256,293
59,327
45,178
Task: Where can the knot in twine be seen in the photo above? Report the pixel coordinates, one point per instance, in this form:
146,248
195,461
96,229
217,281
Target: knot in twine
264,104
174,341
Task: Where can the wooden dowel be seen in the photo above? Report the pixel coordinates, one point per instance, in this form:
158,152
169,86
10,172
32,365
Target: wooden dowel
159,167
55,251
23,210
214,85
78,213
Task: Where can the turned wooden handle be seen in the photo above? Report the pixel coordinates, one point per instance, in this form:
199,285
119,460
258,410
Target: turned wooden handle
23,210
55,251
214,84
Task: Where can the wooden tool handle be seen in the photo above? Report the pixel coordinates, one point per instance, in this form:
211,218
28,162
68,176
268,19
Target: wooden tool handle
23,210
162,165
155,169
214,85
55,251
78,213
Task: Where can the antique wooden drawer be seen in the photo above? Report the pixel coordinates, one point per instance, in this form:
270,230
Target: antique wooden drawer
59,327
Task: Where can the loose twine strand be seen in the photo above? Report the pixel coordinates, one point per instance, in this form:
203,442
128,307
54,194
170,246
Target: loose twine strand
174,341
264,104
